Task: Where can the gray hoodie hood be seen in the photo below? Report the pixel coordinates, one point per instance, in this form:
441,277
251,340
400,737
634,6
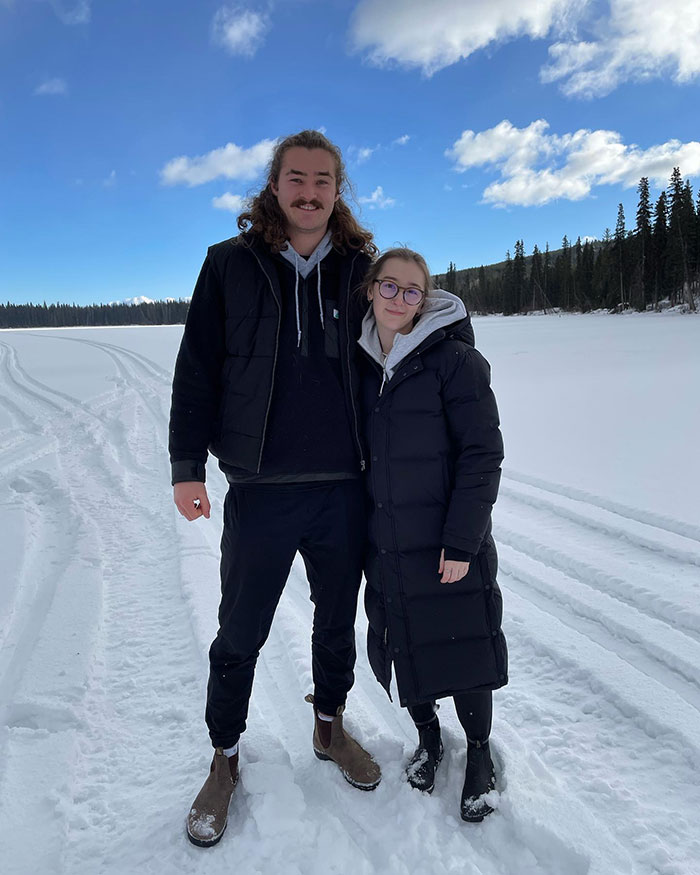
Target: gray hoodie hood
440,309
304,266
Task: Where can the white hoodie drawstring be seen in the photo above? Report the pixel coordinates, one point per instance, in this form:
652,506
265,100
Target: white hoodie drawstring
318,291
303,267
296,296
384,358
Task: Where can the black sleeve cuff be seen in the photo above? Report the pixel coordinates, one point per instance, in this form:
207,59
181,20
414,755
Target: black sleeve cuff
452,554
188,470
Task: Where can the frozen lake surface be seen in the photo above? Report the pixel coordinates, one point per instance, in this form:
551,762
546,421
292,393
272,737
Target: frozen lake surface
108,605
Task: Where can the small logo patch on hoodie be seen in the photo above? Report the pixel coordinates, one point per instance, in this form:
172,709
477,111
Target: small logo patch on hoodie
336,314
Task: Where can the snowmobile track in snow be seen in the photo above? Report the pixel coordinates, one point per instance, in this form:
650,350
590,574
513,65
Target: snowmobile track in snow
112,606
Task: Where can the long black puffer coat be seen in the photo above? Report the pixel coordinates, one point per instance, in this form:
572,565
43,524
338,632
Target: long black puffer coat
436,451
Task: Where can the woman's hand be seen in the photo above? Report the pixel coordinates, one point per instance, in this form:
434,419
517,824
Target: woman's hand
451,571
192,500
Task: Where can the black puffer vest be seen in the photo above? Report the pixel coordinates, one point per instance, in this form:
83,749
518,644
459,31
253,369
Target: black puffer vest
225,370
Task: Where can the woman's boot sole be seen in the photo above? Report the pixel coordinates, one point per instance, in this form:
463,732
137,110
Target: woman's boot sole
476,818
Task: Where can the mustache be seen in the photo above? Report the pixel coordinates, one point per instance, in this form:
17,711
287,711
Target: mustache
301,202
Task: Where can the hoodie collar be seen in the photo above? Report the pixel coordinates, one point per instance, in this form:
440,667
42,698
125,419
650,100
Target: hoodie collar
440,310
304,266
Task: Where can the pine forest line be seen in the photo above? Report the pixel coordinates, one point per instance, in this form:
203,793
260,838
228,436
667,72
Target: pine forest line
655,264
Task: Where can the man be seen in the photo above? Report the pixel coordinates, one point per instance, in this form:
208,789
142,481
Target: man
265,381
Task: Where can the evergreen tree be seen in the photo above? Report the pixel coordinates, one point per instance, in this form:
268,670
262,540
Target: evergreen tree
536,291
482,294
507,290
560,294
645,270
451,279
679,235
547,275
619,250
586,276
519,277
659,242
605,280
697,242
576,275
690,230
71,315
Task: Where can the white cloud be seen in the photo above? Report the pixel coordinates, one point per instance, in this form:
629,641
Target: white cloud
360,154
536,167
594,46
111,180
79,12
230,162
51,86
432,34
72,13
239,30
378,200
515,147
232,202
640,39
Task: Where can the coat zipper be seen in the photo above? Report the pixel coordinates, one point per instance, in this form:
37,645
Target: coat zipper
381,573
363,463
274,362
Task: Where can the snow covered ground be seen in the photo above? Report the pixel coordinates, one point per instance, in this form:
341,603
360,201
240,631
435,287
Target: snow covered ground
108,604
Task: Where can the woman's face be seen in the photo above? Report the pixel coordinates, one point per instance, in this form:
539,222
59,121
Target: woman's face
394,314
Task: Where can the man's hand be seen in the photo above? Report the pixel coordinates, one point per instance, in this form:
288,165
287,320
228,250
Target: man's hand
192,500
451,570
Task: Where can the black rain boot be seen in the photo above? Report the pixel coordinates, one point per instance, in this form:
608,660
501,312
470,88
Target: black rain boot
479,780
426,758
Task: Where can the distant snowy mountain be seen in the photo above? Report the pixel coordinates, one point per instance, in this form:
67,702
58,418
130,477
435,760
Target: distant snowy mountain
141,299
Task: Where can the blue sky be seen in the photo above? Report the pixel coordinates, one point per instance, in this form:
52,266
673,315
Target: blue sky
130,131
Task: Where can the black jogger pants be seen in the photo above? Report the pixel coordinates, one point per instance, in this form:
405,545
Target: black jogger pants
264,527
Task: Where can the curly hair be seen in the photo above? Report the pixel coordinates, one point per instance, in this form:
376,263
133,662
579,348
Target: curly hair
264,216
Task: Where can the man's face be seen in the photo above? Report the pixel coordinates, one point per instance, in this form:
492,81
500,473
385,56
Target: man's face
306,189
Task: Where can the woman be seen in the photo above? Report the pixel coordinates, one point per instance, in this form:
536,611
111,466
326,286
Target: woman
432,600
